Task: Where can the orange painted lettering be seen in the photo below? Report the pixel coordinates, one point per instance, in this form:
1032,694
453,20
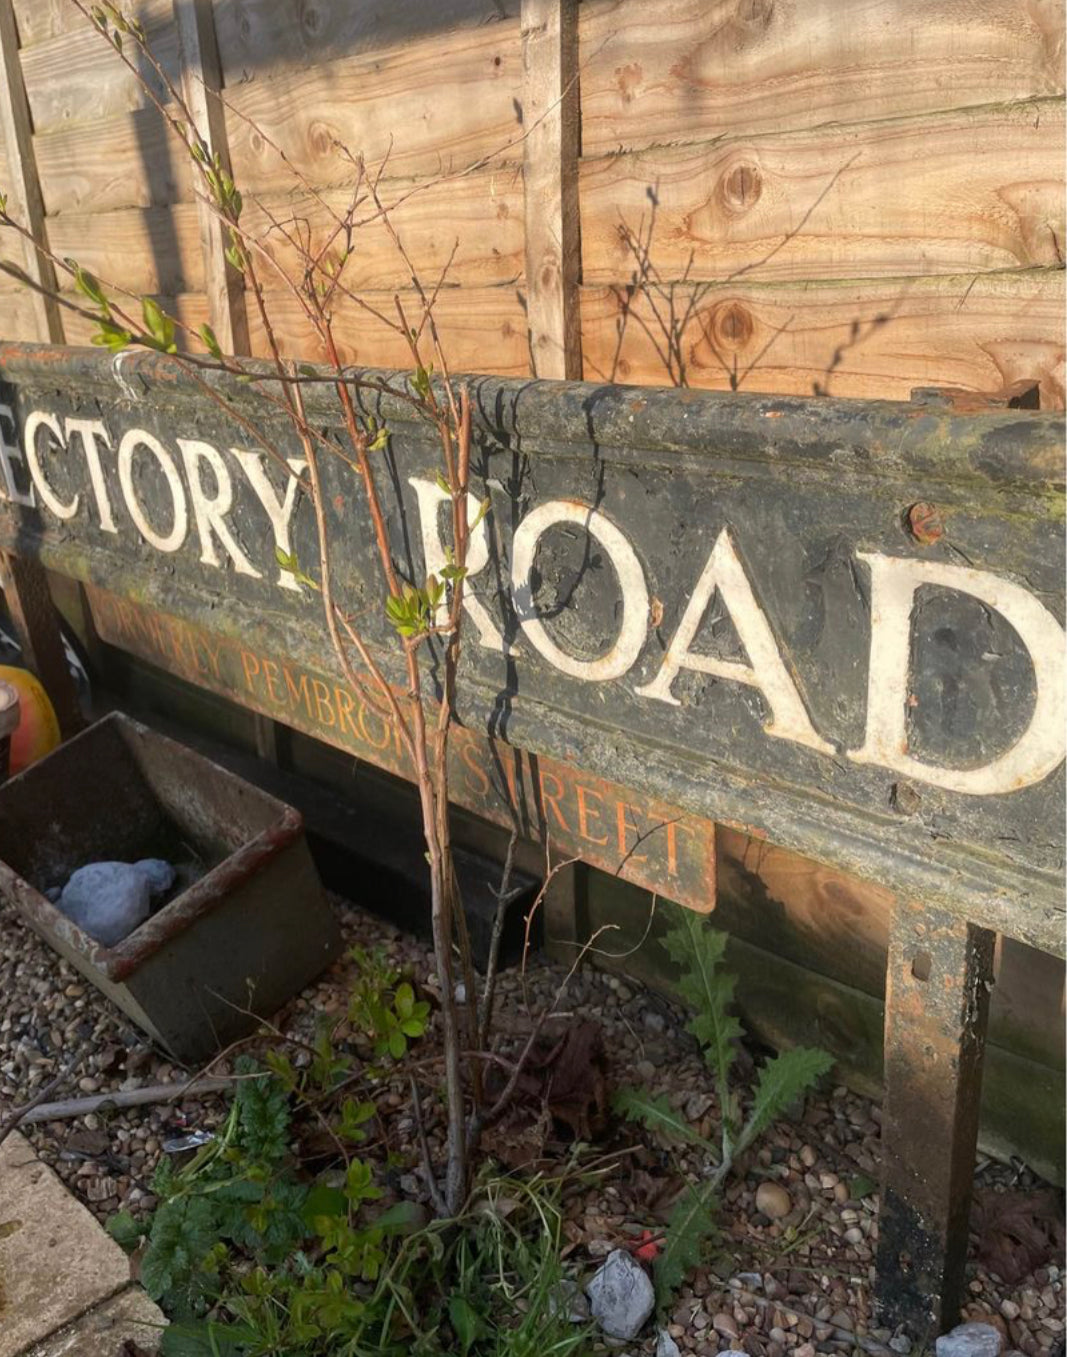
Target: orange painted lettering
480,781
625,826
270,673
343,698
585,811
322,701
364,712
555,798
298,692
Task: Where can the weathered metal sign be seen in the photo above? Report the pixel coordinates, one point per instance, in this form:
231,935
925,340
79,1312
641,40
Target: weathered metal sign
838,624
619,829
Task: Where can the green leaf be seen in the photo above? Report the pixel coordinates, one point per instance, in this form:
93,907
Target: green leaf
125,1231
159,325
443,485
781,1081
89,287
111,336
380,440
655,1112
404,1000
483,509
691,1224
709,990
397,1044
207,334
465,1321
861,1186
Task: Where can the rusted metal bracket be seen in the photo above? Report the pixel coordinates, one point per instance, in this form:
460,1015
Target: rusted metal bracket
36,622
939,976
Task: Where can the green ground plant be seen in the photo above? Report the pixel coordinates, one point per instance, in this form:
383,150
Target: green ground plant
708,990
252,1258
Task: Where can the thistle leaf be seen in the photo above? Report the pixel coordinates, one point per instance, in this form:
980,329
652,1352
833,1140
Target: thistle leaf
691,1225
656,1113
781,1081
709,990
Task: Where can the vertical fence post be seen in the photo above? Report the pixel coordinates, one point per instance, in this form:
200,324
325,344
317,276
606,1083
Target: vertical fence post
25,582
937,1001
202,89
551,116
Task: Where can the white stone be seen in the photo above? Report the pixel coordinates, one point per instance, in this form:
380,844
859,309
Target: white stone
666,1346
621,1296
971,1340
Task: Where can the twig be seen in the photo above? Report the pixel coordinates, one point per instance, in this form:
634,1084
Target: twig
439,1204
504,897
131,1097
18,1115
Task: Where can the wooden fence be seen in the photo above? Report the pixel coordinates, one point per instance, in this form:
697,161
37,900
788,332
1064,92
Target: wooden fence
842,197
854,197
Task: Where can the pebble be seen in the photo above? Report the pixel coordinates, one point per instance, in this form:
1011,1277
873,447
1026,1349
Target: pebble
725,1324
666,1346
773,1200
970,1340
621,1296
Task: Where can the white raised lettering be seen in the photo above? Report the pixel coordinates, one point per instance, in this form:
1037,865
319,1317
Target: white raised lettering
1040,748
210,511
766,671
10,452
133,439
279,509
631,577
90,430
36,420
431,497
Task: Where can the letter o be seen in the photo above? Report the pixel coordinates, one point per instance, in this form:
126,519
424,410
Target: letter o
131,441
620,658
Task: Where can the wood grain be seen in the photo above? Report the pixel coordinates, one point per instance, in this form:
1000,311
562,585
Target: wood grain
257,37
201,80
39,20
875,339
154,249
837,926
129,161
890,198
23,184
690,70
78,77
550,178
479,216
483,330
431,107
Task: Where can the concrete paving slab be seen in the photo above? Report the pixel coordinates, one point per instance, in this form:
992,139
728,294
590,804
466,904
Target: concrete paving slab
104,1330
56,1262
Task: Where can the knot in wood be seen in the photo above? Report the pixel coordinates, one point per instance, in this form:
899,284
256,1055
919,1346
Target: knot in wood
730,326
740,187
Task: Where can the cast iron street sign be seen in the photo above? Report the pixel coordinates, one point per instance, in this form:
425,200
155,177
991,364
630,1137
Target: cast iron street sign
836,624
729,603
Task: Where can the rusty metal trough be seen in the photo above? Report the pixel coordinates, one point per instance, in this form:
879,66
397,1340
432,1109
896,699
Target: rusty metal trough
251,925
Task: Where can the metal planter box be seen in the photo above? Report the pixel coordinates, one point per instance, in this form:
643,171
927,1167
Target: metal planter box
251,927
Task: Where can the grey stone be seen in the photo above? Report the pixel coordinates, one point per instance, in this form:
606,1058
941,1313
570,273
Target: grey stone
970,1340
107,900
621,1296
567,1297
901,1343
159,874
666,1346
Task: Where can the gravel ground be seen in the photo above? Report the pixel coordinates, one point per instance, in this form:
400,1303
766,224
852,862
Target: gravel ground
794,1267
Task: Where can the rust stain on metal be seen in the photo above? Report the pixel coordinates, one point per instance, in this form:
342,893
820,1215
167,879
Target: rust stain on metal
925,522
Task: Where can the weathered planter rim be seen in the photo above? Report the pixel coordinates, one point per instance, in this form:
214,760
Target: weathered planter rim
119,962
